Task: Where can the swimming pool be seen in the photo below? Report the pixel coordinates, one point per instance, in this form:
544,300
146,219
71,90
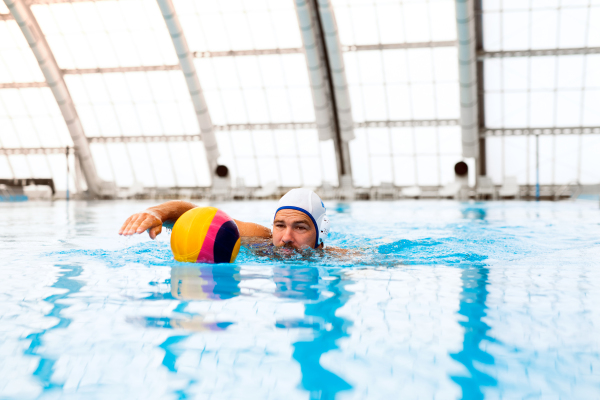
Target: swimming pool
448,300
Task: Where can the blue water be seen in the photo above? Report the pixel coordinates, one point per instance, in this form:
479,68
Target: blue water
444,300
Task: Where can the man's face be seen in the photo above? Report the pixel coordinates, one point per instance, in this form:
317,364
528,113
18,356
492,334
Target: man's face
294,229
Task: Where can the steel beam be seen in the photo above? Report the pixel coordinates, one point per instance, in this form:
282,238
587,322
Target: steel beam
482,55
145,139
141,68
6,17
467,73
253,52
407,123
23,85
36,40
268,126
186,60
577,130
296,50
256,127
29,150
398,46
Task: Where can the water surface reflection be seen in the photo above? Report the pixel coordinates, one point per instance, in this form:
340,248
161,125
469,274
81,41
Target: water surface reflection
192,283
473,307
66,283
205,282
325,295
322,295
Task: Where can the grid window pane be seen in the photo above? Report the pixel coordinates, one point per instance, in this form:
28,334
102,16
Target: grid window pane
30,117
215,25
17,63
256,89
133,103
413,156
590,162
540,25
5,168
143,167
283,157
403,84
106,34
384,21
404,171
559,91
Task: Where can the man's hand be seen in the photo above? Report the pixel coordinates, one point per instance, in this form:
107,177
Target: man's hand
140,222
153,218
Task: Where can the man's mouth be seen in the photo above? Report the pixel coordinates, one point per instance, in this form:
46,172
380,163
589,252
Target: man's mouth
287,249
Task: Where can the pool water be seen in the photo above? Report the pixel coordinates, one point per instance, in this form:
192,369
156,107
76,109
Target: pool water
446,300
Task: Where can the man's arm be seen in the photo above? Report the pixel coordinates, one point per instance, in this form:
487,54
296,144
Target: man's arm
153,218
250,229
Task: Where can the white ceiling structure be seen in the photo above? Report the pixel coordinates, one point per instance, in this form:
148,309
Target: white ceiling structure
539,62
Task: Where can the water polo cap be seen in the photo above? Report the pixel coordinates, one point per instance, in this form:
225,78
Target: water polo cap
309,203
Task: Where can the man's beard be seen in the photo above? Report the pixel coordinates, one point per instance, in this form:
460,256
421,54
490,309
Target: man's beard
289,251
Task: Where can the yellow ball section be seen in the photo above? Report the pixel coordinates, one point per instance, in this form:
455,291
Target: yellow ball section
189,233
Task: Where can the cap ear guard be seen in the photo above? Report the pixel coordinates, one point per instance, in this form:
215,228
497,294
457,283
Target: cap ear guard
323,226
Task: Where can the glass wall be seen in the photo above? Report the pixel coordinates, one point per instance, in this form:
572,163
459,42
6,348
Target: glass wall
555,88
29,115
123,75
253,72
400,57
402,69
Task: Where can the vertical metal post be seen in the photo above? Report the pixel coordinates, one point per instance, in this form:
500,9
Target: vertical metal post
67,153
481,161
537,167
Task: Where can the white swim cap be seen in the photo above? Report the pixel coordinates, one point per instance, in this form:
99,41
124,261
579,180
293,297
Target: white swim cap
309,203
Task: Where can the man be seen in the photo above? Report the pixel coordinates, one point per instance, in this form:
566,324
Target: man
300,221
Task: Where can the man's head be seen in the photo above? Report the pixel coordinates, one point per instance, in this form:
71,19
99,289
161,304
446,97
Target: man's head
300,220
293,228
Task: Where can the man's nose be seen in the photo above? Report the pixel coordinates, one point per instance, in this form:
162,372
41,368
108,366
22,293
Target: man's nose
287,236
